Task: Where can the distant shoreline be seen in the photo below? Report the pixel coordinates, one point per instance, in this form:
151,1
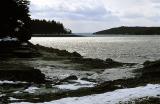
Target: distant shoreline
56,35
99,35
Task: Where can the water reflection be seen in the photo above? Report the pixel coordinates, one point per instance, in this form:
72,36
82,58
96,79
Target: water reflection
120,48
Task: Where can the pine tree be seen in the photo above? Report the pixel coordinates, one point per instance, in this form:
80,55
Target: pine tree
15,19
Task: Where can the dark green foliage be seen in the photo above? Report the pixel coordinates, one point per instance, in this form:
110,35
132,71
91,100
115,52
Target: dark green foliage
14,19
48,27
132,31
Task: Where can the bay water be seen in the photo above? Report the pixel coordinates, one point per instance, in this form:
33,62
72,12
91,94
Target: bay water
123,48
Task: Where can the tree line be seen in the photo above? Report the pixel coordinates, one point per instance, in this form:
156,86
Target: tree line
48,27
15,21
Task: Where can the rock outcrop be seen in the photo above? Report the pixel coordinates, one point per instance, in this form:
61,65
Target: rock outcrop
151,69
15,72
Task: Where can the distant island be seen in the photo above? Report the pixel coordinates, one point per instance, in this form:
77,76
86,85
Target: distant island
131,31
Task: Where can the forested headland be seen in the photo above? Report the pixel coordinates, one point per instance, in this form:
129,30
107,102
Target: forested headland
123,30
15,22
48,27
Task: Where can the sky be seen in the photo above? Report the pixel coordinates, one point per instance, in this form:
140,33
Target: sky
84,16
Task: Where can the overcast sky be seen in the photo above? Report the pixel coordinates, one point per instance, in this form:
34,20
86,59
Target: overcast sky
94,15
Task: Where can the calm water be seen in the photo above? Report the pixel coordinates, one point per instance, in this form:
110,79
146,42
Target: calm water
121,48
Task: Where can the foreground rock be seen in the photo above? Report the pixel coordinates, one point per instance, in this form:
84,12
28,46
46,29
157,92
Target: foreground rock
72,77
76,58
98,63
151,69
15,72
21,68
150,73
17,49
24,71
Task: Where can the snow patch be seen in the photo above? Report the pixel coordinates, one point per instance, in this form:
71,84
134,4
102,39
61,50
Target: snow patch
8,39
6,82
1,95
114,97
83,82
13,99
31,89
24,44
76,84
16,92
11,82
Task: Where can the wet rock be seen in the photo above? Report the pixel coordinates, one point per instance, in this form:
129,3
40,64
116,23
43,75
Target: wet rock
14,49
75,54
97,63
147,100
109,60
26,53
113,63
86,63
13,72
151,69
72,77
88,79
58,52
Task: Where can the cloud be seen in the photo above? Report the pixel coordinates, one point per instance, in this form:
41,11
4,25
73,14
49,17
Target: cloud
71,9
92,15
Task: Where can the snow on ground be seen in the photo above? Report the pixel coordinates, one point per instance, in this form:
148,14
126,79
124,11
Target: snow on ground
9,39
17,92
1,95
110,97
83,82
24,44
31,89
77,84
6,82
11,82
13,99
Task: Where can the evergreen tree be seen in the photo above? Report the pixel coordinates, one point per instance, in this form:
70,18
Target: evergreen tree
15,19
48,27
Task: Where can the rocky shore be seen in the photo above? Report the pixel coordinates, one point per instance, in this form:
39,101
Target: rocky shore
28,72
